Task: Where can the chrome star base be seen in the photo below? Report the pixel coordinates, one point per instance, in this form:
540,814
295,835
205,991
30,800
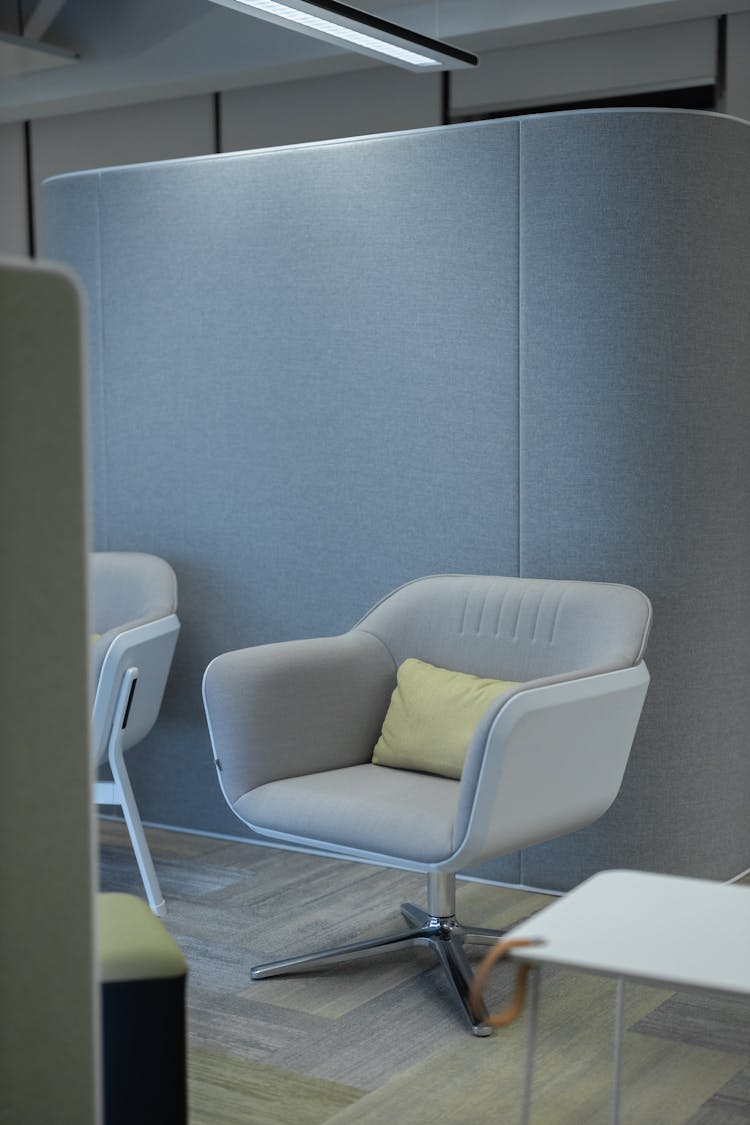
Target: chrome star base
437,927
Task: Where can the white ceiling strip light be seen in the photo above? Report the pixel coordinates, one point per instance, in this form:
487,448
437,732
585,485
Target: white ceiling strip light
346,26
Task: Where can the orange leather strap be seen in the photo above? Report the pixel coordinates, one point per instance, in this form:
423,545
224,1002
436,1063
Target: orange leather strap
512,1010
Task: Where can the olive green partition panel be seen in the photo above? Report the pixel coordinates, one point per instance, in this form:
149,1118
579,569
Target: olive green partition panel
48,1018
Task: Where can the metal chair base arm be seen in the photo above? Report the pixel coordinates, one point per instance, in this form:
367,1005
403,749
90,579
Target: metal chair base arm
445,936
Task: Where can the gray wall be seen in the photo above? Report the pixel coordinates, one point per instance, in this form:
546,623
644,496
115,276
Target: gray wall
512,347
340,105
737,94
671,56
14,219
48,1035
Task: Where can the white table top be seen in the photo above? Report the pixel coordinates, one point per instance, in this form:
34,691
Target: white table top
685,933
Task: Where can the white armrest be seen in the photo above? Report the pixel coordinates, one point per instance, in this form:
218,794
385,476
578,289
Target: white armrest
553,761
297,707
149,648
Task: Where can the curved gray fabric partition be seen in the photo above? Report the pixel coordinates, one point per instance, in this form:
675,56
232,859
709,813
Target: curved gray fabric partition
635,450
512,347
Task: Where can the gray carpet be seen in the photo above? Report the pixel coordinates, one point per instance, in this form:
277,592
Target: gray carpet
380,1039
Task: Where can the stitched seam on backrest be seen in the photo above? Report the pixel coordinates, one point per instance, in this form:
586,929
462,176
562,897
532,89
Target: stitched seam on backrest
463,618
553,629
369,633
538,614
487,593
518,615
500,612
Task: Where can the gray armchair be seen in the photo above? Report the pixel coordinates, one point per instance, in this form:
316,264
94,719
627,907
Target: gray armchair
293,726
133,615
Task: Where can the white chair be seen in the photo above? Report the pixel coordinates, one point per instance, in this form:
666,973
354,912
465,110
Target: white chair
133,615
293,726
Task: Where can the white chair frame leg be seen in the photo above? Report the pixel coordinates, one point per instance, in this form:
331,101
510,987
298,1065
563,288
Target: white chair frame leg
119,791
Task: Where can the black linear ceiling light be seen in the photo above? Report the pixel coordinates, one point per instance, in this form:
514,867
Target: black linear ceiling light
346,26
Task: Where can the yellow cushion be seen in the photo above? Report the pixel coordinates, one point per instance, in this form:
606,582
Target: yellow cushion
432,716
133,943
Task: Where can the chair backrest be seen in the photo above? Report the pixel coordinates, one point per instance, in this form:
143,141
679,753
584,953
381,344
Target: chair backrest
127,586
126,589
513,628
133,603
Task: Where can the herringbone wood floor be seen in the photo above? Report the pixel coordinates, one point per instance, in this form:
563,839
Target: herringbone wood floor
380,1040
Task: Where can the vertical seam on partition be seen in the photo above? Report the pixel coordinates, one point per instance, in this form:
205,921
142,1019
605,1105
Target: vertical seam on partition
521,854
518,348
103,443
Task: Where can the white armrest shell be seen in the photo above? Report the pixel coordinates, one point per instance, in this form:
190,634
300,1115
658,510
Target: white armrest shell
297,707
100,644
147,646
553,761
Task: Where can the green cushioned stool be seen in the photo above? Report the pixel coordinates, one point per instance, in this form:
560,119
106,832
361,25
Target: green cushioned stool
142,973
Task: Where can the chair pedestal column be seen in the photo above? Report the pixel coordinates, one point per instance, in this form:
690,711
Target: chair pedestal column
441,894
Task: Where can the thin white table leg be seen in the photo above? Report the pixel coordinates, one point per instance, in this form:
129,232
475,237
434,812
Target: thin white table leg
619,1006
534,985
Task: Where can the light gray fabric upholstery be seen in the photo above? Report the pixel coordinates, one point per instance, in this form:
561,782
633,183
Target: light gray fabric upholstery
294,724
133,601
395,812
318,703
512,629
289,343
127,588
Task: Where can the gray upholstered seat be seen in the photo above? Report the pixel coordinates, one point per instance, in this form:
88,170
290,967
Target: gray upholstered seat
293,727
133,615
